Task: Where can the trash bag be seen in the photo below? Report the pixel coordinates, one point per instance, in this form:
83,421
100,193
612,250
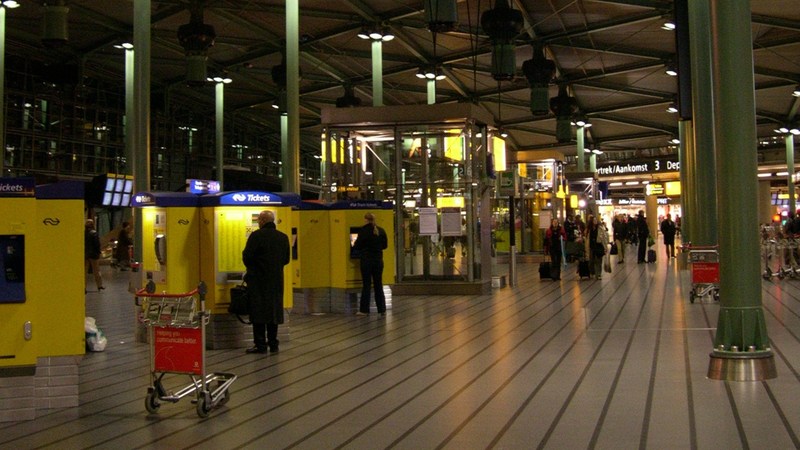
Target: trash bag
95,339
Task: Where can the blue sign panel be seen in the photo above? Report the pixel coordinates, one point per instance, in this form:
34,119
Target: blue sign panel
17,187
202,186
251,198
164,199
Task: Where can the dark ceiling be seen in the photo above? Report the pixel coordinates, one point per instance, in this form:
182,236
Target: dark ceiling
610,54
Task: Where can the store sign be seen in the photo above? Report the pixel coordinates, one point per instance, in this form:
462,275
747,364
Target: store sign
660,165
655,189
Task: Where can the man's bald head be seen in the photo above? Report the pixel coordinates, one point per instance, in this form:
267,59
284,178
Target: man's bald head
265,217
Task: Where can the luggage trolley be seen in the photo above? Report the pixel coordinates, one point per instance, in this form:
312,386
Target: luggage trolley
177,339
705,272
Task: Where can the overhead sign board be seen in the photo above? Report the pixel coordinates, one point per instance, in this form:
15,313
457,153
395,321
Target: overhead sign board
639,167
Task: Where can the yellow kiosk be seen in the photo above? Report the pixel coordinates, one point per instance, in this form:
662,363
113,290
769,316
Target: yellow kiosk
311,258
170,238
345,219
228,218
42,307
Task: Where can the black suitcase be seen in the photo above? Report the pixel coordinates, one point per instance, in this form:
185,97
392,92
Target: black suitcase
651,256
583,268
544,270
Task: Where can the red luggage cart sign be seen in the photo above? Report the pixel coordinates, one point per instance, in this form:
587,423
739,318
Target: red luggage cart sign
705,272
178,350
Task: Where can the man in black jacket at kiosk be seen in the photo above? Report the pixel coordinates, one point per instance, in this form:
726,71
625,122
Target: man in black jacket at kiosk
370,244
265,254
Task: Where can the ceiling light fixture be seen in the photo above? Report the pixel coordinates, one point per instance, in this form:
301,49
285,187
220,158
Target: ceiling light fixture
10,4
376,33
431,73
672,108
796,92
675,141
671,70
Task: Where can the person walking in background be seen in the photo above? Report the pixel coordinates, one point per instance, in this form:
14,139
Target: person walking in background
124,241
91,253
265,253
619,230
596,242
553,238
642,233
668,230
369,245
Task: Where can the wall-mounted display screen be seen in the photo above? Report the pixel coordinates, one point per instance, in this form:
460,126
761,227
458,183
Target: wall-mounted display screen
353,236
117,189
12,262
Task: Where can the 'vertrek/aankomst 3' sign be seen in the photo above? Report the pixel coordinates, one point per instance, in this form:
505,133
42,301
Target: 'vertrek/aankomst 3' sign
639,167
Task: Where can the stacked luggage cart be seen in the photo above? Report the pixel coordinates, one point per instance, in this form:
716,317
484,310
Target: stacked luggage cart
780,254
176,330
705,271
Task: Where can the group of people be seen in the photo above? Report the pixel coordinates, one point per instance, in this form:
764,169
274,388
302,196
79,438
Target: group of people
265,254
594,239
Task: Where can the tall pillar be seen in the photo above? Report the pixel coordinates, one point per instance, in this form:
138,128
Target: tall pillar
651,213
130,135
377,72
140,122
291,157
741,345
431,92
703,225
2,91
579,137
688,207
220,130
593,163
765,209
789,140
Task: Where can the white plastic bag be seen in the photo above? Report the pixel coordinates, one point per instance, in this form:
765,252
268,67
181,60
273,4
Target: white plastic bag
95,339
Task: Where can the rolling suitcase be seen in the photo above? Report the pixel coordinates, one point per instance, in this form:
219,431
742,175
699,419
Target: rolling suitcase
583,269
651,256
545,271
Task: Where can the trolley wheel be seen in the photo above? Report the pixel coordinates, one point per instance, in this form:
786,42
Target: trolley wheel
225,396
691,296
203,406
716,296
151,403
766,275
780,275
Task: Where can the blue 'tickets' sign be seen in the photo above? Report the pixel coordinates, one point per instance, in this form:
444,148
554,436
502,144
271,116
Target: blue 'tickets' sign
17,187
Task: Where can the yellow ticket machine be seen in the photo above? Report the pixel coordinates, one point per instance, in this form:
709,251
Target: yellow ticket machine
228,218
345,220
42,283
312,259
170,240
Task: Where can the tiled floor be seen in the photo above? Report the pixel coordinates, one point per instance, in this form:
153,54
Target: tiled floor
615,364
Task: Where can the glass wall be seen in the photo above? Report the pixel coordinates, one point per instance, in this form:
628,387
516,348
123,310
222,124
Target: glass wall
433,173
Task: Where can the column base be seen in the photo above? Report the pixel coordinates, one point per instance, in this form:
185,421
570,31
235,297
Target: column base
742,367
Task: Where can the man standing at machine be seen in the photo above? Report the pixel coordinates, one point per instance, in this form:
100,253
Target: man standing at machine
266,252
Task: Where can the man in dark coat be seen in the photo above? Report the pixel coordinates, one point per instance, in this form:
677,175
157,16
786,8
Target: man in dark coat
265,254
370,244
92,251
642,232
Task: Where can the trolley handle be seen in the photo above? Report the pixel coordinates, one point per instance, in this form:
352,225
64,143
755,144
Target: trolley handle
701,247
143,293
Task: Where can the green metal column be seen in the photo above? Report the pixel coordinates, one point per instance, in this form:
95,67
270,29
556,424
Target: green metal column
593,163
140,122
685,131
377,72
220,130
130,142
431,92
580,147
703,224
789,140
2,91
741,345
290,169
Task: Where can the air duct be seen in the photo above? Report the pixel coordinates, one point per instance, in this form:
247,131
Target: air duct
441,15
502,24
540,72
55,32
563,106
196,38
